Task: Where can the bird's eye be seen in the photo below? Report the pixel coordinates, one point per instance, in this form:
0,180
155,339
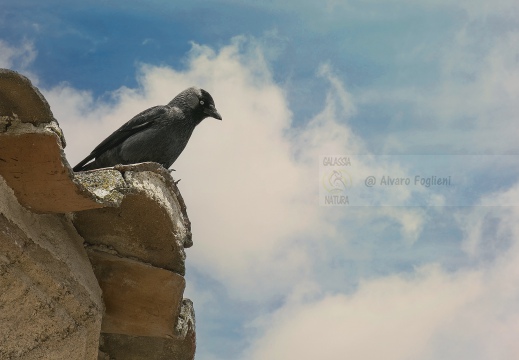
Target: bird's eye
201,102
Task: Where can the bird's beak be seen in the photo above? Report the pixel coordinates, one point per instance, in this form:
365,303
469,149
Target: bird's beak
211,111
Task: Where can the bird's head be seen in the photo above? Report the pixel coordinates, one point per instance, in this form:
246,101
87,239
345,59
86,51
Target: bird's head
198,101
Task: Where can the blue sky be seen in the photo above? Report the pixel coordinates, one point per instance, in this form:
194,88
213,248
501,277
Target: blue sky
273,274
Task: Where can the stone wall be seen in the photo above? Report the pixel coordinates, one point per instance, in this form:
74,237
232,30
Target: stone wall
92,263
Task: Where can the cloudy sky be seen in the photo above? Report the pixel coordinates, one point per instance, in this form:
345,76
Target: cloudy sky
399,88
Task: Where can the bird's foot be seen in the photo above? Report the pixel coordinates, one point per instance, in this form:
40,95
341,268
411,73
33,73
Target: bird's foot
176,182
171,170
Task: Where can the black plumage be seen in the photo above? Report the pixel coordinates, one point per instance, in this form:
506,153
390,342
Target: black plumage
158,134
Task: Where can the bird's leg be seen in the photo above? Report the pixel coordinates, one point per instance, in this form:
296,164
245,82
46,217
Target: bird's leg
175,182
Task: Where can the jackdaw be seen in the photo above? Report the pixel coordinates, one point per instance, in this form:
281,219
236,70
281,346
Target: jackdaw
158,134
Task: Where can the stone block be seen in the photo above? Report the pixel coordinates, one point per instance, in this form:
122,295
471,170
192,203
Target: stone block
18,96
180,347
150,224
140,299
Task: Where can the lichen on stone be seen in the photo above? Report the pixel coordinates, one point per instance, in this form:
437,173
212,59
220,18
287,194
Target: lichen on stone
5,122
54,127
107,185
186,319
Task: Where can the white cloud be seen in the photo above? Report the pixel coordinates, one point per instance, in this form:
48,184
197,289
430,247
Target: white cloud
18,57
471,313
431,315
388,318
495,214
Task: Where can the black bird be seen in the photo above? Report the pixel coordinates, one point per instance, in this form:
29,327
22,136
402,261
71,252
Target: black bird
158,134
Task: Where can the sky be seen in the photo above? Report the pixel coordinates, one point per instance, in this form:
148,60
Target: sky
296,255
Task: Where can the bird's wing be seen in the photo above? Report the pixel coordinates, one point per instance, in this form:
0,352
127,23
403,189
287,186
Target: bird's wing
137,124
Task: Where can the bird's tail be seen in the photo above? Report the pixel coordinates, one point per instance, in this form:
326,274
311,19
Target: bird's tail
83,166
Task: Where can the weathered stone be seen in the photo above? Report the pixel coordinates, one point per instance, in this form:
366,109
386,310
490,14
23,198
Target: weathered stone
149,225
50,302
180,347
32,160
139,299
18,96
107,185
33,164
123,347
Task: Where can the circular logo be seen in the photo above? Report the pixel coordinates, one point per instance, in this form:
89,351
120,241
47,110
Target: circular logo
336,181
